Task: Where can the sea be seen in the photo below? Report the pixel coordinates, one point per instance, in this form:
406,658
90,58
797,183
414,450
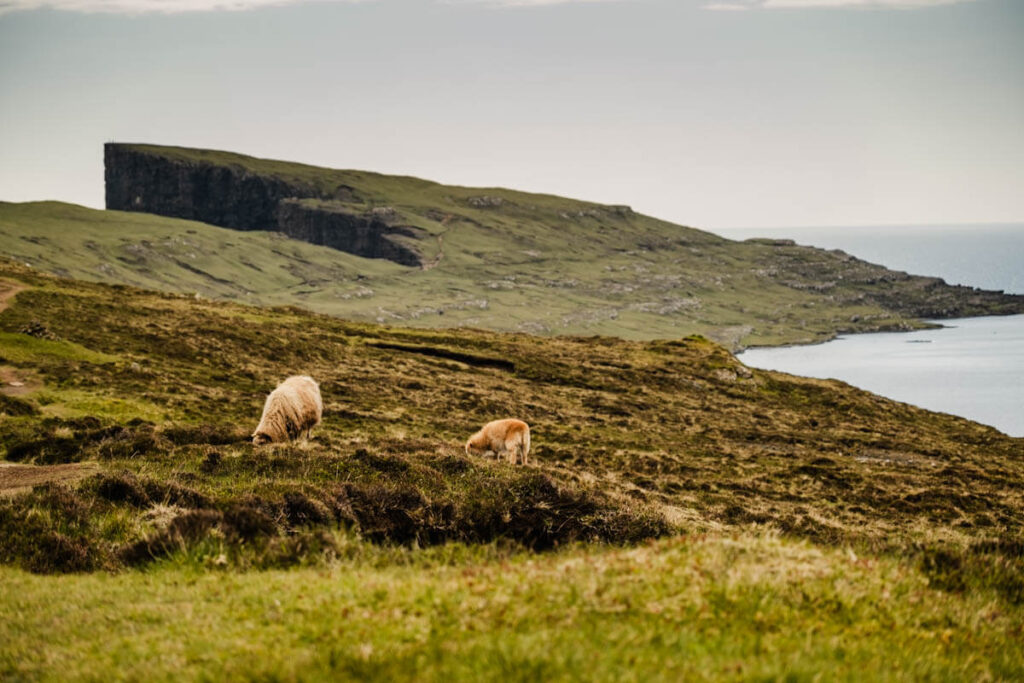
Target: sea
972,367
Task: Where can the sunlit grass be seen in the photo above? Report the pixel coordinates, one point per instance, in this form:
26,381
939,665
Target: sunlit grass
719,607
22,348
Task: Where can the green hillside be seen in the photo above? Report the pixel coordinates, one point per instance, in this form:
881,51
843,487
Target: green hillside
175,255
492,258
685,516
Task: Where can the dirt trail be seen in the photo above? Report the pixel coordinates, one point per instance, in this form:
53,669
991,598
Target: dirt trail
440,245
8,290
15,479
14,381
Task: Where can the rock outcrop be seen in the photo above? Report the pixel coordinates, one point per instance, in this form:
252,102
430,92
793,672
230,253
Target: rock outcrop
233,197
369,234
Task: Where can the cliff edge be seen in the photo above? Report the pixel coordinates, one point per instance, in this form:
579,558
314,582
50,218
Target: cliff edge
231,196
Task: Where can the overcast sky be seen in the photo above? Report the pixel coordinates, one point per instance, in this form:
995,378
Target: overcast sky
712,113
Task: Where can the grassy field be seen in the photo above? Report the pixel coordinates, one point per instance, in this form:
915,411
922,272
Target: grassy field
494,259
687,517
689,608
180,256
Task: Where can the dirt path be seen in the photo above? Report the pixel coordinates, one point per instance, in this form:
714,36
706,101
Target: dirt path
440,245
15,479
8,290
14,381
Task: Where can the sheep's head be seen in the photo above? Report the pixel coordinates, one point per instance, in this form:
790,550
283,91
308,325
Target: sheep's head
260,438
477,444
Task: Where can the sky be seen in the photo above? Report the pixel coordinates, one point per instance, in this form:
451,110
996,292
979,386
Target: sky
711,113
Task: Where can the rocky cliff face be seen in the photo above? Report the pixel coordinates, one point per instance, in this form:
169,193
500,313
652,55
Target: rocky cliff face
369,234
235,198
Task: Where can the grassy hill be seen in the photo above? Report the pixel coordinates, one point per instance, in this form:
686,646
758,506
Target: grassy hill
174,255
687,516
491,258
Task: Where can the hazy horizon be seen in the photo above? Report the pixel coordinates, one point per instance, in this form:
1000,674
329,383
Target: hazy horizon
719,115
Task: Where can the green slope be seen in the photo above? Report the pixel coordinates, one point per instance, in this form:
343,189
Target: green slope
683,518
494,259
175,255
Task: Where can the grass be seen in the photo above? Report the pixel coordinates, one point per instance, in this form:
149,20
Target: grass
24,349
175,255
694,608
687,517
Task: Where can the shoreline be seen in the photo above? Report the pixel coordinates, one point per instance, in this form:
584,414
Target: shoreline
974,375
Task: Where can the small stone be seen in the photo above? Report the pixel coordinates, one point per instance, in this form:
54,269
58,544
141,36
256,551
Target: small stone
39,331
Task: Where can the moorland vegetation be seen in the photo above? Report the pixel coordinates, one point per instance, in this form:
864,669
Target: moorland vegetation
681,515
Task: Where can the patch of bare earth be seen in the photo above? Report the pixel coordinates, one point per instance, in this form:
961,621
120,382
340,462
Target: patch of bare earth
17,381
14,382
7,292
15,479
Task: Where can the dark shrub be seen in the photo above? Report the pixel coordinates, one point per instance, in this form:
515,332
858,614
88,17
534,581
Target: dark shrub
173,493
128,442
49,450
386,512
183,530
119,488
301,510
211,462
210,434
388,464
16,407
247,522
63,540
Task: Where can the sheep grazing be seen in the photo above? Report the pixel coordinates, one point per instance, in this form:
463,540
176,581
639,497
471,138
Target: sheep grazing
509,439
293,407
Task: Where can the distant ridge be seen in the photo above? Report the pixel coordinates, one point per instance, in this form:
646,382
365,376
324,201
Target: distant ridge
408,251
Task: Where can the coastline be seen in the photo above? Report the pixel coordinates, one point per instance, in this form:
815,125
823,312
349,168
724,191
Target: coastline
971,367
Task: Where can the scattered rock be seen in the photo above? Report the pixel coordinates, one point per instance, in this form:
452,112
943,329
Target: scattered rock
725,375
486,202
39,331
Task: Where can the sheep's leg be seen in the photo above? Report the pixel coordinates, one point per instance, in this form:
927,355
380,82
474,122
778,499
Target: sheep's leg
514,449
511,453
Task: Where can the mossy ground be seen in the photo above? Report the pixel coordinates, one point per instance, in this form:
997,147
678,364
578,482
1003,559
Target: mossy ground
394,555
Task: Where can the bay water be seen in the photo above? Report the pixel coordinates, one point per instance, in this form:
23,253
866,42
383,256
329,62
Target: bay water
972,367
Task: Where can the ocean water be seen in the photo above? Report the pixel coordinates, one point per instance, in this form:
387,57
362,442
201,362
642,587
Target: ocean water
973,367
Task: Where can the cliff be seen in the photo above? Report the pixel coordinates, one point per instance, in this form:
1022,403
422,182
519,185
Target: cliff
231,196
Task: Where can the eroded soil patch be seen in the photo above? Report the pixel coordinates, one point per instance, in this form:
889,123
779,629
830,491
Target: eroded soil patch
15,478
17,381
